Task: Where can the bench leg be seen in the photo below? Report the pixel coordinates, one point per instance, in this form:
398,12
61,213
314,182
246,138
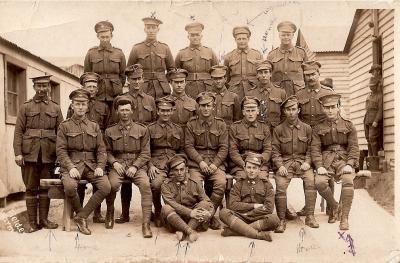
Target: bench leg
67,214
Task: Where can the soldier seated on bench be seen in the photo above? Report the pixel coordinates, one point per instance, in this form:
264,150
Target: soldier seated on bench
82,154
187,207
128,152
251,204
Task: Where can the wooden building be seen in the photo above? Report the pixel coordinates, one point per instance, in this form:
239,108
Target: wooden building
17,66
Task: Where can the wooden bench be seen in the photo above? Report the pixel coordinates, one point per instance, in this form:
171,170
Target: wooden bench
56,191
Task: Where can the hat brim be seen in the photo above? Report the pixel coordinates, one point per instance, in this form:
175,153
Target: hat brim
310,71
218,75
205,101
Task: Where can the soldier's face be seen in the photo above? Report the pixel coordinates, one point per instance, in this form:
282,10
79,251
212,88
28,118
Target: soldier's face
292,112
250,113
42,89
135,82
178,85
312,79
242,41
165,114
92,88
124,112
331,111
286,37
219,82
151,31
206,109
373,88
105,36
80,107
195,38
252,170
179,172
264,76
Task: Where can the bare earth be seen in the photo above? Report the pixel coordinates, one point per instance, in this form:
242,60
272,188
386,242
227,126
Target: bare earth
372,232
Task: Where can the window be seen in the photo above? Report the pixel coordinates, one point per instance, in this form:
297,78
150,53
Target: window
15,88
55,91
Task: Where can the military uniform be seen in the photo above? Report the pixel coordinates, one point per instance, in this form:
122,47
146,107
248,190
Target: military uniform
129,145
373,114
335,145
109,62
270,98
185,108
287,72
241,216
166,139
227,104
241,65
80,145
291,148
34,140
197,60
156,58
249,137
207,140
181,198
98,112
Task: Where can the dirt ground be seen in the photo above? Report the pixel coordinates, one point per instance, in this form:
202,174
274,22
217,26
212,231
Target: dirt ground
372,234
381,189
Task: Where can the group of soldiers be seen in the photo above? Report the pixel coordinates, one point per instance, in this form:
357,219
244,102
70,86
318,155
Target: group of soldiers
188,122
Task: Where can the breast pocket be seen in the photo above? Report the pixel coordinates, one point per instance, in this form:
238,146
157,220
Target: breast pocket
205,61
115,63
134,142
160,61
74,140
243,140
91,140
294,64
343,133
214,138
176,140
302,144
144,60
260,192
187,63
97,64
32,117
258,141
227,110
147,113
325,136
51,119
189,111
251,65
200,138
117,142
286,145
234,66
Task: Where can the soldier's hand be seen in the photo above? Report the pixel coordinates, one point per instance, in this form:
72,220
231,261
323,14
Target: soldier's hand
204,167
257,205
283,171
305,166
98,172
131,172
196,214
74,173
206,215
347,169
119,168
374,124
322,170
213,168
19,160
153,171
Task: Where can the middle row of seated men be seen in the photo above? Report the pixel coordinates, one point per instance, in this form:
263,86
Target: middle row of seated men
142,153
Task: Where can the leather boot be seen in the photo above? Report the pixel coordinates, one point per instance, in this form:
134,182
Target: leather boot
227,232
282,226
97,217
31,208
270,223
81,223
44,206
347,200
302,212
146,230
344,223
125,203
157,208
184,231
311,222
215,224
333,214
290,214
310,197
244,229
109,220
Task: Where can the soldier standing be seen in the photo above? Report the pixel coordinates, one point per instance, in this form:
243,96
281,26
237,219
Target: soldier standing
156,59
128,151
143,112
247,136
270,96
107,61
197,60
291,154
166,139
373,117
251,204
206,144
241,62
227,104
82,154
34,149
187,207
287,59
99,113
185,106
335,154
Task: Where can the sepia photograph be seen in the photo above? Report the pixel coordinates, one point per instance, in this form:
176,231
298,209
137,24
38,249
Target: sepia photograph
198,131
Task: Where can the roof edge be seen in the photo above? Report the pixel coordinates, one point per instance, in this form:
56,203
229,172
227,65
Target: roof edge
353,27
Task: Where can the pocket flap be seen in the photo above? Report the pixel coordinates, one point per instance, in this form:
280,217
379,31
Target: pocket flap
303,138
215,132
93,134
285,140
205,56
227,103
259,136
198,132
143,56
52,114
117,60
161,55
275,99
96,60
157,135
32,113
115,137
186,58
148,107
73,134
